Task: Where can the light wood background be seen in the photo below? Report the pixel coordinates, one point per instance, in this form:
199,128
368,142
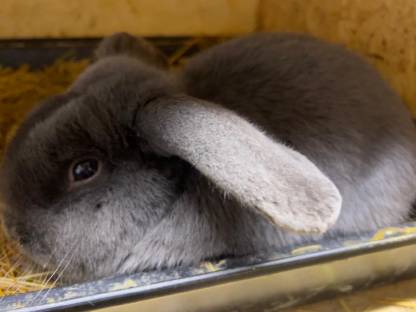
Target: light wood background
384,31
95,18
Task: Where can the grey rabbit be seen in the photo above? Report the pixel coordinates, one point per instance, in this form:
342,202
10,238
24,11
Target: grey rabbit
256,145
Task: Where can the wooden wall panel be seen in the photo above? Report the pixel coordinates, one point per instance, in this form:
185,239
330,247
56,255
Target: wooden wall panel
384,31
94,18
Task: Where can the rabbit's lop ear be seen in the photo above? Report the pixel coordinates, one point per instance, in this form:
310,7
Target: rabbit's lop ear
262,174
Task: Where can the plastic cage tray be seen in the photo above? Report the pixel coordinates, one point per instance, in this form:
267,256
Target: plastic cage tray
258,283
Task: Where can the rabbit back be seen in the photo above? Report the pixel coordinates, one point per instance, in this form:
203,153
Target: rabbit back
328,104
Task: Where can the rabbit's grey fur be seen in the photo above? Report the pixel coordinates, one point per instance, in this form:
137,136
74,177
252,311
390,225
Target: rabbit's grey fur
169,195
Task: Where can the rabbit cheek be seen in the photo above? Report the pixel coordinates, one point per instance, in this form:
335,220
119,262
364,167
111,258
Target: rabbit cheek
99,229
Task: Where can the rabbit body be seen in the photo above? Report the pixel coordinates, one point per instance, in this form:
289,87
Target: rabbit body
280,100
328,104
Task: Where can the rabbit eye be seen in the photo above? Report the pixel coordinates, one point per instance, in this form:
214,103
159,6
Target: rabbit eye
84,170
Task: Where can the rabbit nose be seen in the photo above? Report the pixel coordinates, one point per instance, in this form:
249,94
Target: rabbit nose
24,239
22,234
